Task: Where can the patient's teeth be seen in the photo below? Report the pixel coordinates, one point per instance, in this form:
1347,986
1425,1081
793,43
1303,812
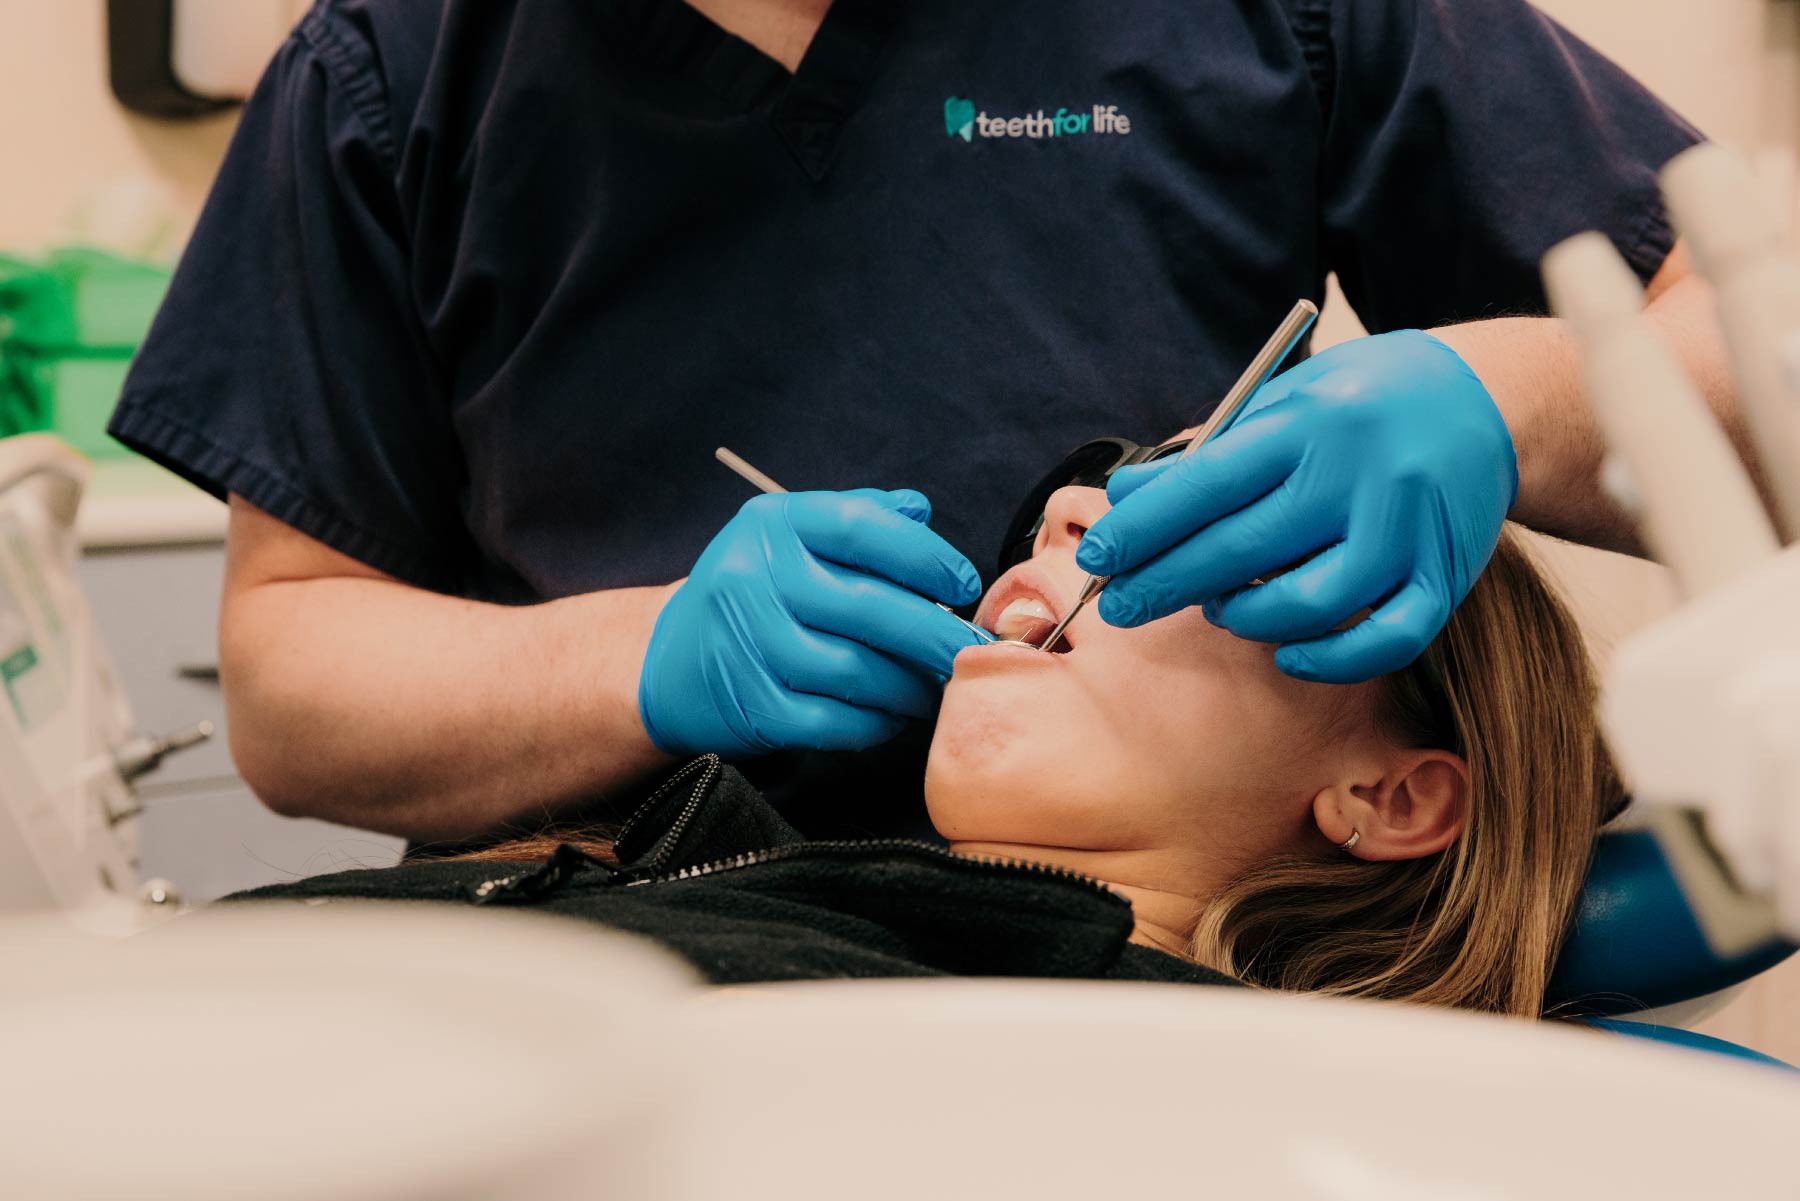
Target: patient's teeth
1022,617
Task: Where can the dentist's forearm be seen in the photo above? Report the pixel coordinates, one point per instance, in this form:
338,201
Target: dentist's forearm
378,705
366,701
1533,369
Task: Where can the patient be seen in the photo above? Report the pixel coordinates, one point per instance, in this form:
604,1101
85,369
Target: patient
1421,837
1175,762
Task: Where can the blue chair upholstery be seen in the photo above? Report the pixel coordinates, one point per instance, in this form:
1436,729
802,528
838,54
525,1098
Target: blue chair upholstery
1635,944
1687,1038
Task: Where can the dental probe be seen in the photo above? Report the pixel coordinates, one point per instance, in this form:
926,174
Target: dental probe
766,483
1293,327
741,465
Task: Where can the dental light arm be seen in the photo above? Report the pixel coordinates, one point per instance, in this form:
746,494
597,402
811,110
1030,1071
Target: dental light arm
1671,464
1702,709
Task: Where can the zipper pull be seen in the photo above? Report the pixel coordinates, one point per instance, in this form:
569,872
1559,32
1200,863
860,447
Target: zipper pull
522,888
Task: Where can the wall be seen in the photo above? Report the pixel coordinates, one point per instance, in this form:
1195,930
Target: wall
68,148
1729,65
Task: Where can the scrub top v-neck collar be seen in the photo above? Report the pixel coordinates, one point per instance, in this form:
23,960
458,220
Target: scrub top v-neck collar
808,108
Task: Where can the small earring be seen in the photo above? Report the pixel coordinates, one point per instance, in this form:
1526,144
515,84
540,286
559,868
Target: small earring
1349,844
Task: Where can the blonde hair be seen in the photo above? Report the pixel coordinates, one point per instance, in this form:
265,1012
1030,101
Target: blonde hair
1508,685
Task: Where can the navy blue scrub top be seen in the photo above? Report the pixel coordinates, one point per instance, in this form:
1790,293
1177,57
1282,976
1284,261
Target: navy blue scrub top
483,282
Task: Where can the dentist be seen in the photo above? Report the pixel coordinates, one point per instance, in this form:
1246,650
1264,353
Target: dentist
483,282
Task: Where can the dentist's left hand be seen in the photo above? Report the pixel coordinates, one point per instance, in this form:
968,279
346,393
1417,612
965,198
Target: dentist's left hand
1383,463
808,622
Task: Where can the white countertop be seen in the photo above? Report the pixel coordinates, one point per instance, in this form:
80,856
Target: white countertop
133,502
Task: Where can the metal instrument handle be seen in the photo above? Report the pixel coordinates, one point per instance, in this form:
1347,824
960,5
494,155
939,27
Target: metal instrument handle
766,483
1287,335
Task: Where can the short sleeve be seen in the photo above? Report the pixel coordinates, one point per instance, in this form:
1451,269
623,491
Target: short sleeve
1464,139
287,363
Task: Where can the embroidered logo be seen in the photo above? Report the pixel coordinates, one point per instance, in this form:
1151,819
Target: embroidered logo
959,118
962,120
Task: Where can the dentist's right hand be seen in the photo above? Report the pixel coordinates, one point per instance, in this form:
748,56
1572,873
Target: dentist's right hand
808,622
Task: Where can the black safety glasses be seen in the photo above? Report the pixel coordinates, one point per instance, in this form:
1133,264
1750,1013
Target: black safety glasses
1089,465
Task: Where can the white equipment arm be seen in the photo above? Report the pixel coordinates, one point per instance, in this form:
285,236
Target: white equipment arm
1702,709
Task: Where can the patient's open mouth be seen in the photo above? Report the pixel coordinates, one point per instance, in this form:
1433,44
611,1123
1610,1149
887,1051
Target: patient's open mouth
1026,618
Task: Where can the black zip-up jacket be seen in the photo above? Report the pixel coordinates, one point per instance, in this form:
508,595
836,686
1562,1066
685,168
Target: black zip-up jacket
708,869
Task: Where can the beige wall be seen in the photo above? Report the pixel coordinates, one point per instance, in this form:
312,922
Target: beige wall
69,152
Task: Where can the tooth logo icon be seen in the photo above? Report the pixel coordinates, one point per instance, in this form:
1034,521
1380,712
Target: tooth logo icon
959,118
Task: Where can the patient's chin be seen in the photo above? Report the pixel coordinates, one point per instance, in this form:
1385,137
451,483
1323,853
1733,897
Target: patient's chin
986,765
965,809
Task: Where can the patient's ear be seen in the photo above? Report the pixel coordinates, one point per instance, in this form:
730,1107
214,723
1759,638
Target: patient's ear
1416,805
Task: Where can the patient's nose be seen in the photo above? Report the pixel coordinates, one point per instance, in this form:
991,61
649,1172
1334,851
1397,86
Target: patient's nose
1067,517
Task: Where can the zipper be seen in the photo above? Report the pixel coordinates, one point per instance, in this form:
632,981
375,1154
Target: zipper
524,887
980,863
709,765
654,872
567,862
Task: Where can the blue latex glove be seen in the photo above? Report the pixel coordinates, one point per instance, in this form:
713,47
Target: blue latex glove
1384,457
805,623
